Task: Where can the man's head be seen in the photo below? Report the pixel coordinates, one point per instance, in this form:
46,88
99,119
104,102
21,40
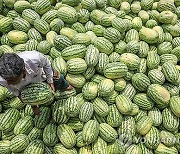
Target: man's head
12,68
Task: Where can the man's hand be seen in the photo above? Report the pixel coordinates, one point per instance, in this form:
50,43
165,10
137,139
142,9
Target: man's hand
36,110
52,86
56,75
69,87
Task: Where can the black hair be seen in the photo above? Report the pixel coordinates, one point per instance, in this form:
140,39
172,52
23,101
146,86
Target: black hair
11,65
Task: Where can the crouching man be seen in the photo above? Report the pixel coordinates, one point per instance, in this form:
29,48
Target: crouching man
19,70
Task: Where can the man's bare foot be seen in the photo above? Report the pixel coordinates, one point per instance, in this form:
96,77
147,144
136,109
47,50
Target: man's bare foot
69,87
36,110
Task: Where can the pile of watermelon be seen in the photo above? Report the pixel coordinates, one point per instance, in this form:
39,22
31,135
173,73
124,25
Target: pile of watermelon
122,58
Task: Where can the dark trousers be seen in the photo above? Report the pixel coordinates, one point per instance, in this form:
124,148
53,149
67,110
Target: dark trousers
61,83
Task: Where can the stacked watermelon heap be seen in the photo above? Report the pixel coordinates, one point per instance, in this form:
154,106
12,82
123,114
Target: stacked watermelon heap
122,58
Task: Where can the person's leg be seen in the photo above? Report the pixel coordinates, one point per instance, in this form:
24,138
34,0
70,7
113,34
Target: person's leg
60,83
36,110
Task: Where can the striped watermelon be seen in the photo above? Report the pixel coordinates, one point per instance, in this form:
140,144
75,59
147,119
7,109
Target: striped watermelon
137,21
126,131
59,148
90,90
99,146
16,103
56,25
135,110
35,133
98,118
76,65
19,6
66,135
144,125
156,116
9,119
153,60
43,119
61,42
92,56
81,38
124,104
174,101
5,147
158,94
75,124
69,32
34,34
21,24
37,93
114,57
167,138
67,14
50,37
107,133
164,149
119,24
132,35
83,15
80,142
19,143
131,60
106,87
111,98
58,112
168,57
96,16
133,149
85,149
143,101
90,131
49,16
103,45
77,80
100,107
170,72
30,15
156,76
106,19
150,136
72,106
98,30
74,51
115,148
49,135
31,45
24,125
88,74
79,27
115,70
42,26
6,24
103,60
114,118
35,147
42,6
140,81
112,34
44,47
54,53
86,112
169,120
17,37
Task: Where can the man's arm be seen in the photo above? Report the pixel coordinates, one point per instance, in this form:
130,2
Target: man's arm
47,69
